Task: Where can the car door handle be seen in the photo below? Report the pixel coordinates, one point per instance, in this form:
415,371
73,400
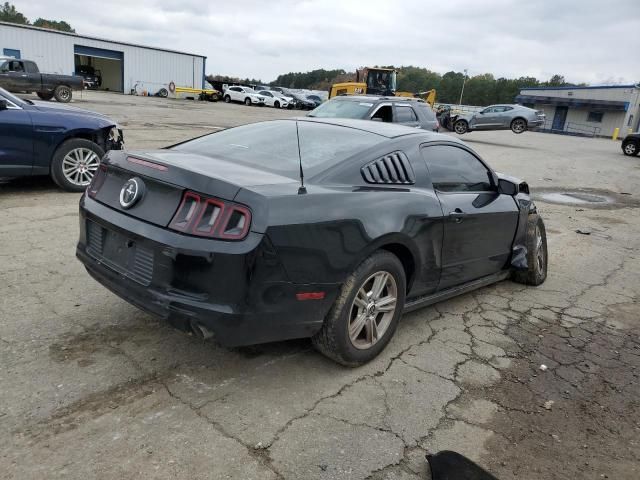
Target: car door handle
457,215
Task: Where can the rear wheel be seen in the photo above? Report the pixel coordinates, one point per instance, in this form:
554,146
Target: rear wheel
45,95
74,164
630,148
247,102
537,259
63,94
365,315
518,125
227,99
461,126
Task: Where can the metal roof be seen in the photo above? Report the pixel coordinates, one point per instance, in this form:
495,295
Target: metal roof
595,87
574,102
75,35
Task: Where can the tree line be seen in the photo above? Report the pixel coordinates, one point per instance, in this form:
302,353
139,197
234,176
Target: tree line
8,13
482,89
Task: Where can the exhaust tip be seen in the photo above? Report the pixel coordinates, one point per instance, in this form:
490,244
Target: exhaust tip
200,331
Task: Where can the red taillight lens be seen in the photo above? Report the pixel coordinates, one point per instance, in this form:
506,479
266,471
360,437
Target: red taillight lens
211,217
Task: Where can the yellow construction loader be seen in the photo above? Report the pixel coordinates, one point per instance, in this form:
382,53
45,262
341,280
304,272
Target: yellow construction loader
377,81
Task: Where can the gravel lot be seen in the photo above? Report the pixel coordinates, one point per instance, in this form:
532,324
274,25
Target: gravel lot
90,387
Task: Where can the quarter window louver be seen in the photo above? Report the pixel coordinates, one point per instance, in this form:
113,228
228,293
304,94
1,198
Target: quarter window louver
393,169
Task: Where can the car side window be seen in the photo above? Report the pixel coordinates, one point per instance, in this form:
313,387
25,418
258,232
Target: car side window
4,68
487,110
15,66
506,109
405,114
499,109
384,113
30,67
453,169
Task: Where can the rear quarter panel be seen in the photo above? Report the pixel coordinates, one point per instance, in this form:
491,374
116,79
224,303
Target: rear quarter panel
323,235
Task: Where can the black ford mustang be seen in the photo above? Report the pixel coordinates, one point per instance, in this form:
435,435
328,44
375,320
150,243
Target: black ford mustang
218,234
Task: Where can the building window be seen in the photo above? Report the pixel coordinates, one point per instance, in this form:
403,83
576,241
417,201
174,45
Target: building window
595,117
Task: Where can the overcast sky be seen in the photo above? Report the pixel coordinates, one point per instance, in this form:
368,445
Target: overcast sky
589,41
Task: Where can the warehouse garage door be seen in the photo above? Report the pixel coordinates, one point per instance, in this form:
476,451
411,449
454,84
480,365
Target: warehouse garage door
108,63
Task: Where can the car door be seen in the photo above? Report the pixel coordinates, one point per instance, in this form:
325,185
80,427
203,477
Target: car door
485,119
234,93
480,223
405,115
16,141
33,76
506,116
18,78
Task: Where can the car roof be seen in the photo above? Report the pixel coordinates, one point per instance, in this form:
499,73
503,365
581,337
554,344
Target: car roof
377,98
389,130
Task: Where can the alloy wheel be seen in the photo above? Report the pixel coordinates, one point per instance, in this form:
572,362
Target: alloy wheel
372,310
64,94
460,127
630,148
540,255
518,126
79,166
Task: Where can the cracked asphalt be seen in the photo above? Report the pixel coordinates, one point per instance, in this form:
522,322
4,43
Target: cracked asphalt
93,388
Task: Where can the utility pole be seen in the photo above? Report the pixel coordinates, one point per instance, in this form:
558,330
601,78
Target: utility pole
462,91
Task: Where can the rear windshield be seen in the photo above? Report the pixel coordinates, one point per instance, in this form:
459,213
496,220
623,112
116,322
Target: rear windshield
273,146
342,109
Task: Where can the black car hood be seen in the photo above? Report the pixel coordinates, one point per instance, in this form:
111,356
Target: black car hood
68,110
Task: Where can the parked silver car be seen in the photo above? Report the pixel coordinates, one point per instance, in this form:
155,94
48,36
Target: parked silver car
499,117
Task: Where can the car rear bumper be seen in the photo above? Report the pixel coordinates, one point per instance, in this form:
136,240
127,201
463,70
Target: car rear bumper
239,292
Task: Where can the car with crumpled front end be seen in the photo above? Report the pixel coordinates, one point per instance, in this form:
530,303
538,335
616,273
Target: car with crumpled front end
516,118
42,138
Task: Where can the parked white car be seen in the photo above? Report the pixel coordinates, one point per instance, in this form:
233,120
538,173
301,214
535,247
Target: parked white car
275,99
246,95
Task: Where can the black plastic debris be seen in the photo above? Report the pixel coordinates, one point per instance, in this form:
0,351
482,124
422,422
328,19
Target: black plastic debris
448,465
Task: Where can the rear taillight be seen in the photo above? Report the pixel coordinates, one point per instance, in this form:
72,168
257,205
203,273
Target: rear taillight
97,181
211,217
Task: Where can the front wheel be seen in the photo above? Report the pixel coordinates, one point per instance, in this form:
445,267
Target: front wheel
518,125
630,149
537,255
460,127
247,102
74,164
365,315
45,95
63,94
276,104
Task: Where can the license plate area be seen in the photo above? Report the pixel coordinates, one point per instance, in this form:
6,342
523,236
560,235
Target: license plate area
120,253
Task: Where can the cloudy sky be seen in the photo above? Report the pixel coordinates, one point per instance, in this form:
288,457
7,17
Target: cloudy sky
584,40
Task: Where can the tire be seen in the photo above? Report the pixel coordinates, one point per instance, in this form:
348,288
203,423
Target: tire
334,339
45,95
537,255
630,148
63,93
518,125
276,104
247,102
163,93
461,127
74,164
227,99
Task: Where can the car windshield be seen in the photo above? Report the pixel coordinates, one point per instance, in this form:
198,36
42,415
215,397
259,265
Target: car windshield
273,146
12,98
342,109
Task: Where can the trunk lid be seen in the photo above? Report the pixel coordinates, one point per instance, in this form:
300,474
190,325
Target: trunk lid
163,177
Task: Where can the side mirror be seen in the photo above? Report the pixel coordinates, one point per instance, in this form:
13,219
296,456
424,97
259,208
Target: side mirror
506,187
3,105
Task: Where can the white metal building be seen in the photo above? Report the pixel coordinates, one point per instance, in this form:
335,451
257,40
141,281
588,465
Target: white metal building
124,66
586,110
